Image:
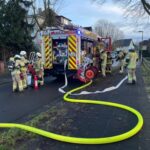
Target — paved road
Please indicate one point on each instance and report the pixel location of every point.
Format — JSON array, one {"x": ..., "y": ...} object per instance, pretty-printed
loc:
[
  {"x": 15, "y": 106},
  {"x": 103, "y": 121}
]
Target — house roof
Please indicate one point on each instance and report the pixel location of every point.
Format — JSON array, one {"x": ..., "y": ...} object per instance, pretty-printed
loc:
[
  {"x": 48, "y": 10},
  {"x": 145, "y": 42},
  {"x": 57, "y": 20},
  {"x": 63, "y": 17},
  {"x": 122, "y": 42},
  {"x": 42, "y": 13}
]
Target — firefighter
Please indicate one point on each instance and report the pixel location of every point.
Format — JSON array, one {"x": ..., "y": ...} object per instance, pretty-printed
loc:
[
  {"x": 121, "y": 59},
  {"x": 133, "y": 58},
  {"x": 95, "y": 57},
  {"x": 17, "y": 82},
  {"x": 23, "y": 69},
  {"x": 39, "y": 68},
  {"x": 11, "y": 68},
  {"x": 11, "y": 63},
  {"x": 109, "y": 62},
  {"x": 103, "y": 58}
]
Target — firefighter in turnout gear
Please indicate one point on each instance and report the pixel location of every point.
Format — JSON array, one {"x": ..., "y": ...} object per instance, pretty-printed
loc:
[
  {"x": 11, "y": 64},
  {"x": 109, "y": 62},
  {"x": 39, "y": 68},
  {"x": 17, "y": 82},
  {"x": 23, "y": 69},
  {"x": 121, "y": 59},
  {"x": 133, "y": 58},
  {"x": 11, "y": 68},
  {"x": 103, "y": 58}
]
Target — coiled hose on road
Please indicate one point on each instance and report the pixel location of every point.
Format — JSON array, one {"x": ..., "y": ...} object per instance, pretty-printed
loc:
[{"x": 77, "y": 140}]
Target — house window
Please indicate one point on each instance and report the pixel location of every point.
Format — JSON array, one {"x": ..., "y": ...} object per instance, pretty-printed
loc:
[{"x": 65, "y": 21}]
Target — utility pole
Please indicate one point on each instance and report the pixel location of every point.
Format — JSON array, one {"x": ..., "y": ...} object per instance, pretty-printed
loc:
[{"x": 141, "y": 46}]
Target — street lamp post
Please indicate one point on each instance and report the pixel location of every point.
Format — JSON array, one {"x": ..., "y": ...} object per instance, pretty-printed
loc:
[{"x": 141, "y": 46}]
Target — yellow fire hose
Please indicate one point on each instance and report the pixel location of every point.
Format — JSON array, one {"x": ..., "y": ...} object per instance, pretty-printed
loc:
[{"x": 77, "y": 140}]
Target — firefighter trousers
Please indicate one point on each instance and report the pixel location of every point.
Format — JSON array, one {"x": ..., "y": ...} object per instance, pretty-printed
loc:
[
  {"x": 17, "y": 82},
  {"x": 103, "y": 68},
  {"x": 24, "y": 77},
  {"x": 40, "y": 75},
  {"x": 122, "y": 64},
  {"x": 131, "y": 75},
  {"x": 109, "y": 68}
]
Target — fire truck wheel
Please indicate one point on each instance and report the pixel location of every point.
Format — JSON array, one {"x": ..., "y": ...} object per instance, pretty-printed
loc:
[
  {"x": 95, "y": 70},
  {"x": 90, "y": 74}
]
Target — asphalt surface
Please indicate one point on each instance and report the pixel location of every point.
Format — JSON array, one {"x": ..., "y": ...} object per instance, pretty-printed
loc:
[
  {"x": 15, "y": 106},
  {"x": 5, "y": 78},
  {"x": 98, "y": 120}
]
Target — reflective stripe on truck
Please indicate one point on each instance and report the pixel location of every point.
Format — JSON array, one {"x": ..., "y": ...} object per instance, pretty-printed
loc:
[
  {"x": 48, "y": 52},
  {"x": 72, "y": 52}
]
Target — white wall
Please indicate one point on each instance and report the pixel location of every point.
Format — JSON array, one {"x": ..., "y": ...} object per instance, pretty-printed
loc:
[
  {"x": 131, "y": 46},
  {"x": 123, "y": 48}
]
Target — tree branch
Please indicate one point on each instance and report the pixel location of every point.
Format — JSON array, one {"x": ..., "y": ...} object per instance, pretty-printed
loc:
[{"x": 146, "y": 6}]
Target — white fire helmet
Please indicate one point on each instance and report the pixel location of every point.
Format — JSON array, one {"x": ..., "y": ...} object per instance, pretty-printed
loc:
[
  {"x": 17, "y": 57},
  {"x": 39, "y": 54},
  {"x": 23, "y": 53}
]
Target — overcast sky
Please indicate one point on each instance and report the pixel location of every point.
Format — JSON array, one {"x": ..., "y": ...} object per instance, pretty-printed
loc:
[{"x": 85, "y": 13}]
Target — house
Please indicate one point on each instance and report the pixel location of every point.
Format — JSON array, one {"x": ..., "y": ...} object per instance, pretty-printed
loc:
[
  {"x": 53, "y": 21},
  {"x": 123, "y": 44},
  {"x": 145, "y": 47},
  {"x": 48, "y": 18},
  {"x": 61, "y": 21}
]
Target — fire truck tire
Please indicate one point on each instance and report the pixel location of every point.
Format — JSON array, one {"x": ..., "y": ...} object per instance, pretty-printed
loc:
[
  {"x": 95, "y": 70},
  {"x": 90, "y": 74}
]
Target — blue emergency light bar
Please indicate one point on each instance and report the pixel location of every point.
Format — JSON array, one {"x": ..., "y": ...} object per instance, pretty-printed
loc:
[{"x": 79, "y": 32}]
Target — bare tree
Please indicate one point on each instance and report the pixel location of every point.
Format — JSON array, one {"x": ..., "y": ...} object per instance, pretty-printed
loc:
[
  {"x": 105, "y": 29},
  {"x": 135, "y": 8},
  {"x": 49, "y": 8}
]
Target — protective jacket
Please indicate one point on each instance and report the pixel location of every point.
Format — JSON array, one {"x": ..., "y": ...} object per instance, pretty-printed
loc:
[
  {"x": 133, "y": 57},
  {"x": 39, "y": 66},
  {"x": 104, "y": 59}
]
